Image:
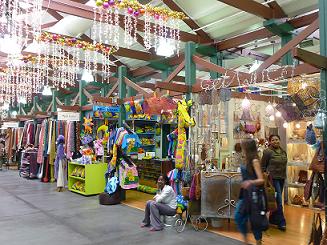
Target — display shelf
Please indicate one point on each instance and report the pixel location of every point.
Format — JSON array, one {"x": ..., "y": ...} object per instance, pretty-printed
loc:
[
  {"x": 298, "y": 164},
  {"x": 94, "y": 177},
  {"x": 79, "y": 192},
  {"x": 78, "y": 178},
  {"x": 297, "y": 142},
  {"x": 150, "y": 133},
  {"x": 141, "y": 120},
  {"x": 148, "y": 145},
  {"x": 295, "y": 185}
]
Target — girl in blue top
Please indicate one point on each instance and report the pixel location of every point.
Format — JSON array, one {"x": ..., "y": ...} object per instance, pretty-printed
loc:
[{"x": 251, "y": 175}]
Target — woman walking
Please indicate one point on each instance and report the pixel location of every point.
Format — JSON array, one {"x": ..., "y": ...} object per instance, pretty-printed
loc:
[{"x": 251, "y": 177}]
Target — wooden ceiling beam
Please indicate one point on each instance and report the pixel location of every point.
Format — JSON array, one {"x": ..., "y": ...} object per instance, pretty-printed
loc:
[
  {"x": 291, "y": 44},
  {"x": 54, "y": 14},
  {"x": 133, "y": 85},
  {"x": 262, "y": 33},
  {"x": 190, "y": 22},
  {"x": 311, "y": 58},
  {"x": 175, "y": 72},
  {"x": 49, "y": 24},
  {"x": 277, "y": 9},
  {"x": 113, "y": 89},
  {"x": 253, "y": 7}
]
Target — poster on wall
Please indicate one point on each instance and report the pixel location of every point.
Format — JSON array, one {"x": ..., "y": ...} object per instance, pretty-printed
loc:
[{"x": 69, "y": 116}]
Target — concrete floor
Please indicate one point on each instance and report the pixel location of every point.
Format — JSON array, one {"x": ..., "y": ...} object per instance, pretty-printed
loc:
[{"x": 32, "y": 212}]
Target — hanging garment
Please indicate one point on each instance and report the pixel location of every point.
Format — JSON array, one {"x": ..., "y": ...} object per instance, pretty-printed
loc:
[
  {"x": 60, "y": 153},
  {"x": 49, "y": 137},
  {"x": 41, "y": 144}
]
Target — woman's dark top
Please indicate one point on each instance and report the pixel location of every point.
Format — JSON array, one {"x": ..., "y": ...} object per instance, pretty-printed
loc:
[{"x": 274, "y": 161}]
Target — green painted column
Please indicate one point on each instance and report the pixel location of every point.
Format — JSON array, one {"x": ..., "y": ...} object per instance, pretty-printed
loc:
[
  {"x": 54, "y": 102},
  {"x": 217, "y": 59},
  {"x": 35, "y": 101},
  {"x": 67, "y": 99},
  {"x": 130, "y": 91},
  {"x": 190, "y": 68},
  {"x": 105, "y": 90},
  {"x": 122, "y": 73},
  {"x": 287, "y": 59},
  {"x": 166, "y": 73},
  {"x": 82, "y": 96},
  {"x": 323, "y": 76}
]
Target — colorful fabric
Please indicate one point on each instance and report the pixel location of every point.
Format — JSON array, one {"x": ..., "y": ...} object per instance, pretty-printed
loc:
[
  {"x": 130, "y": 141},
  {"x": 41, "y": 144}
]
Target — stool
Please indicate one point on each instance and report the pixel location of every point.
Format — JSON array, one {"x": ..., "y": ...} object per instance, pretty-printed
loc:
[{"x": 168, "y": 220}]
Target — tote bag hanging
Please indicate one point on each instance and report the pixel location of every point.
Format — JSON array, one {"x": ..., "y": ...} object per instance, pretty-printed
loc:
[{"x": 128, "y": 176}]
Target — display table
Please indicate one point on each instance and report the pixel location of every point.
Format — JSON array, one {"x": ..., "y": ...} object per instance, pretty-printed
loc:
[
  {"x": 219, "y": 193},
  {"x": 94, "y": 180}
]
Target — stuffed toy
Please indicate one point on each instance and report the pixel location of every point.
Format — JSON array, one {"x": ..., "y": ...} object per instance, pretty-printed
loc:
[{"x": 88, "y": 125}]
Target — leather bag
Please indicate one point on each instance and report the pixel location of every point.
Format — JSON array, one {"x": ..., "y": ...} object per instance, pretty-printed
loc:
[
  {"x": 308, "y": 187},
  {"x": 316, "y": 231},
  {"x": 318, "y": 161},
  {"x": 270, "y": 193}
]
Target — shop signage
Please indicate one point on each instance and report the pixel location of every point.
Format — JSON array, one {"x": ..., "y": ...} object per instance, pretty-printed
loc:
[
  {"x": 69, "y": 116},
  {"x": 112, "y": 109},
  {"x": 10, "y": 124}
]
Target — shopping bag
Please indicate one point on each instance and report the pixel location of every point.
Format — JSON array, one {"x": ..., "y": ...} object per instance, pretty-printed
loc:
[{"x": 128, "y": 176}]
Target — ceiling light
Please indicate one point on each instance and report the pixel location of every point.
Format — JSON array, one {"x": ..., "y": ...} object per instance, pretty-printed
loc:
[
  {"x": 5, "y": 106},
  {"x": 285, "y": 124},
  {"x": 270, "y": 109},
  {"x": 14, "y": 113},
  {"x": 165, "y": 47},
  {"x": 304, "y": 85},
  {"x": 297, "y": 125},
  {"x": 245, "y": 103},
  {"x": 294, "y": 104},
  {"x": 87, "y": 76},
  {"x": 22, "y": 100},
  {"x": 47, "y": 91},
  {"x": 272, "y": 118},
  {"x": 254, "y": 66},
  {"x": 278, "y": 114}
]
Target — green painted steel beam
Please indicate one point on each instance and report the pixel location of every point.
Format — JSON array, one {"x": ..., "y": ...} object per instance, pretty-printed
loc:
[
  {"x": 217, "y": 59},
  {"x": 278, "y": 28},
  {"x": 287, "y": 59},
  {"x": 122, "y": 73},
  {"x": 159, "y": 65},
  {"x": 206, "y": 50},
  {"x": 190, "y": 67},
  {"x": 166, "y": 73}
]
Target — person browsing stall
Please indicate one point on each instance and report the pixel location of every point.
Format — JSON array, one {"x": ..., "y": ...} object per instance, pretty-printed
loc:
[
  {"x": 163, "y": 203},
  {"x": 274, "y": 162}
]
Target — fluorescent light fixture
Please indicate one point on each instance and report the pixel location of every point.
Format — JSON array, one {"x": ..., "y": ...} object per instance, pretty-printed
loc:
[
  {"x": 87, "y": 76},
  {"x": 47, "y": 91},
  {"x": 254, "y": 66},
  {"x": 165, "y": 47}
]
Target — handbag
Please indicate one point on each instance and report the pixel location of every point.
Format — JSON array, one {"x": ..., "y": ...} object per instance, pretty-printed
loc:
[
  {"x": 308, "y": 187},
  {"x": 270, "y": 193},
  {"x": 297, "y": 200},
  {"x": 324, "y": 238},
  {"x": 318, "y": 161},
  {"x": 250, "y": 128},
  {"x": 303, "y": 176},
  {"x": 258, "y": 209},
  {"x": 316, "y": 231}
]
